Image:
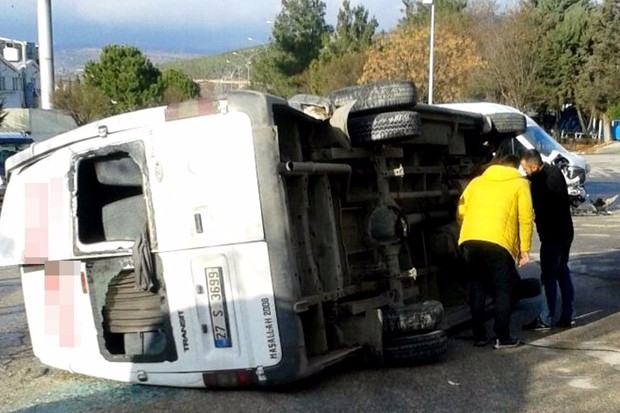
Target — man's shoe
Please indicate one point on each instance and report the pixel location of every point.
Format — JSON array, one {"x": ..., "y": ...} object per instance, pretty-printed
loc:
[
  {"x": 537, "y": 325},
  {"x": 506, "y": 343},
  {"x": 563, "y": 323}
]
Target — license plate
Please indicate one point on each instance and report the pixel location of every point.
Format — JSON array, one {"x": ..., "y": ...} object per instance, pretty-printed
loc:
[{"x": 217, "y": 307}]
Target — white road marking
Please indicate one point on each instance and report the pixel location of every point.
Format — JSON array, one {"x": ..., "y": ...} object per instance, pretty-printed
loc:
[{"x": 595, "y": 235}]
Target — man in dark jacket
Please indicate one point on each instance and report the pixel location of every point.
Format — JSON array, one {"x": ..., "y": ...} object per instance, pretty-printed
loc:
[{"x": 554, "y": 225}]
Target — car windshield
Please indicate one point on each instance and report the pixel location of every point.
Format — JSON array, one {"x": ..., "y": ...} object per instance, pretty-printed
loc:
[{"x": 541, "y": 140}]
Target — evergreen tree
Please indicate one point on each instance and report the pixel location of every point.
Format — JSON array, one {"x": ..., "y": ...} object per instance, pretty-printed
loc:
[
  {"x": 126, "y": 77},
  {"x": 299, "y": 30},
  {"x": 600, "y": 76},
  {"x": 298, "y": 35},
  {"x": 564, "y": 47},
  {"x": 416, "y": 13},
  {"x": 178, "y": 86},
  {"x": 354, "y": 31}
]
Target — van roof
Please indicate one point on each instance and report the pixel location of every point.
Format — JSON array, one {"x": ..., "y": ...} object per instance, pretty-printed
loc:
[
  {"x": 118, "y": 123},
  {"x": 486, "y": 108}
]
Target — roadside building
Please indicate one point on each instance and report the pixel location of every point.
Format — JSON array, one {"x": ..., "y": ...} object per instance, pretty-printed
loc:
[{"x": 20, "y": 84}]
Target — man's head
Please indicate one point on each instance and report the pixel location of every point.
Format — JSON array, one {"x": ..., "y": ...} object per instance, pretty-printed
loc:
[
  {"x": 509, "y": 160},
  {"x": 531, "y": 161}
]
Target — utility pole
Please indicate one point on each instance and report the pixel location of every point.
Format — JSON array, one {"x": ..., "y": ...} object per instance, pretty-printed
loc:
[
  {"x": 431, "y": 53},
  {"x": 46, "y": 55}
]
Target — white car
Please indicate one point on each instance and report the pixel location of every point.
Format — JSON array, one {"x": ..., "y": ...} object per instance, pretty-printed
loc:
[{"x": 574, "y": 167}]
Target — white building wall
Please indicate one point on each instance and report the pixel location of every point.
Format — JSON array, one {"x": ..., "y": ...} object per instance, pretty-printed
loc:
[
  {"x": 11, "y": 85},
  {"x": 20, "y": 79}
]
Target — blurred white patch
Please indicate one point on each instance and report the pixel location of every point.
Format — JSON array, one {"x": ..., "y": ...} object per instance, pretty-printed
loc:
[{"x": 582, "y": 383}]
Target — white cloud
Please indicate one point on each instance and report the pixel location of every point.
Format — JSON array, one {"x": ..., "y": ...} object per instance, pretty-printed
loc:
[
  {"x": 215, "y": 23},
  {"x": 170, "y": 13},
  {"x": 214, "y": 13}
]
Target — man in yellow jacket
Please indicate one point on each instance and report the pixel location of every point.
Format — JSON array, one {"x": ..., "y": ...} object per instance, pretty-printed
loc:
[{"x": 496, "y": 217}]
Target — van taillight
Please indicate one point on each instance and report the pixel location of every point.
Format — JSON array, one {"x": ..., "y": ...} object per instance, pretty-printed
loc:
[{"x": 230, "y": 378}]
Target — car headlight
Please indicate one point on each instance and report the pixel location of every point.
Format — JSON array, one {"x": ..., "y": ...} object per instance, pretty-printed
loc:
[{"x": 573, "y": 172}]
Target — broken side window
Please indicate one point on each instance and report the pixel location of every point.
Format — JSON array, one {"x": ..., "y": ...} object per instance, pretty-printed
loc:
[{"x": 110, "y": 202}]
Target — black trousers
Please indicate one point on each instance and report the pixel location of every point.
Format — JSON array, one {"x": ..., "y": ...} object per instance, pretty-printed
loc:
[{"x": 492, "y": 272}]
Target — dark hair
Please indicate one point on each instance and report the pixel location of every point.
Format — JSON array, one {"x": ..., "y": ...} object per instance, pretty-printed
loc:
[
  {"x": 532, "y": 156},
  {"x": 509, "y": 160}
]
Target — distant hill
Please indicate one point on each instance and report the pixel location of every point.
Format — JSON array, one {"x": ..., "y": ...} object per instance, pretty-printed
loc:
[
  {"x": 70, "y": 62},
  {"x": 227, "y": 65}
]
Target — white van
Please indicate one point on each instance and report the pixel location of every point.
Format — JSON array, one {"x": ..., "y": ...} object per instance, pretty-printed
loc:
[
  {"x": 239, "y": 241},
  {"x": 574, "y": 167}
]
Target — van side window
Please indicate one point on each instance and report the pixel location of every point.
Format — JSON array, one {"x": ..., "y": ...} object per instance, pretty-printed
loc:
[{"x": 110, "y": 203}]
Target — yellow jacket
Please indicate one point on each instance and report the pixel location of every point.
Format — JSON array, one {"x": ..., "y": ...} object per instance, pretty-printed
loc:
[{"x": 497, "y": 207}]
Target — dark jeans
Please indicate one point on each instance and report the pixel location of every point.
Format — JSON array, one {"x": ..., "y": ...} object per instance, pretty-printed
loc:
[
  {"x": 554, "y": 273},
  {"x": 492, "y": 271}
]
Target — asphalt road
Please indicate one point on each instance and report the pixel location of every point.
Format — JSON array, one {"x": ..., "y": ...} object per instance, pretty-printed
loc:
[{"x": 572, "y": 370}]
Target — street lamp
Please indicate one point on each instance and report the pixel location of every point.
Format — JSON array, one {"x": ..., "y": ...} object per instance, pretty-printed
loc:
[{"x": 431, "y": 43}]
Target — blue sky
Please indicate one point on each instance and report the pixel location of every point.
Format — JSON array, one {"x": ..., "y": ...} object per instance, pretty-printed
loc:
[{"x": 179, "y": 26}]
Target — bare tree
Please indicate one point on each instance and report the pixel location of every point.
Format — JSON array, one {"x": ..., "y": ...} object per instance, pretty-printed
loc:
[{"x": 509, "y": 46}]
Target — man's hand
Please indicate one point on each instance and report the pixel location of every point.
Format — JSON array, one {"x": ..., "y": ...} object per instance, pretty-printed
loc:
[{"x": 524, "y": 258}]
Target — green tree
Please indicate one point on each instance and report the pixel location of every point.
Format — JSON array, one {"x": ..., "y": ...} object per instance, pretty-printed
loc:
[
  {"x": 341, "y": 61},
  {"x": 344, "y": 70},
  {"x": 126, "y": 77},
  {"x": 84, "y": 103},
  {"x": 600, "y": 75},
  {"x": 178, "y": 86},
  {"x": 354, "y": 31},
  {"x": 300, "y": 30},
  {"x": 267, "y": 74},
  {"x": 299, "y": 33},
  {"x": 416, "y": 13},
  {"x": 564, "y": 48}
]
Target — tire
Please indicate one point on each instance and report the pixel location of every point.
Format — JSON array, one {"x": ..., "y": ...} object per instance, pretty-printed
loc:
[
  {"x": 416, "y": 349},
  {"x": 412, "y": 318},
  {"x": 373, "y": 96},
  {"x": 385, "y": 127},
  {"x": 508, "y": 122}
]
